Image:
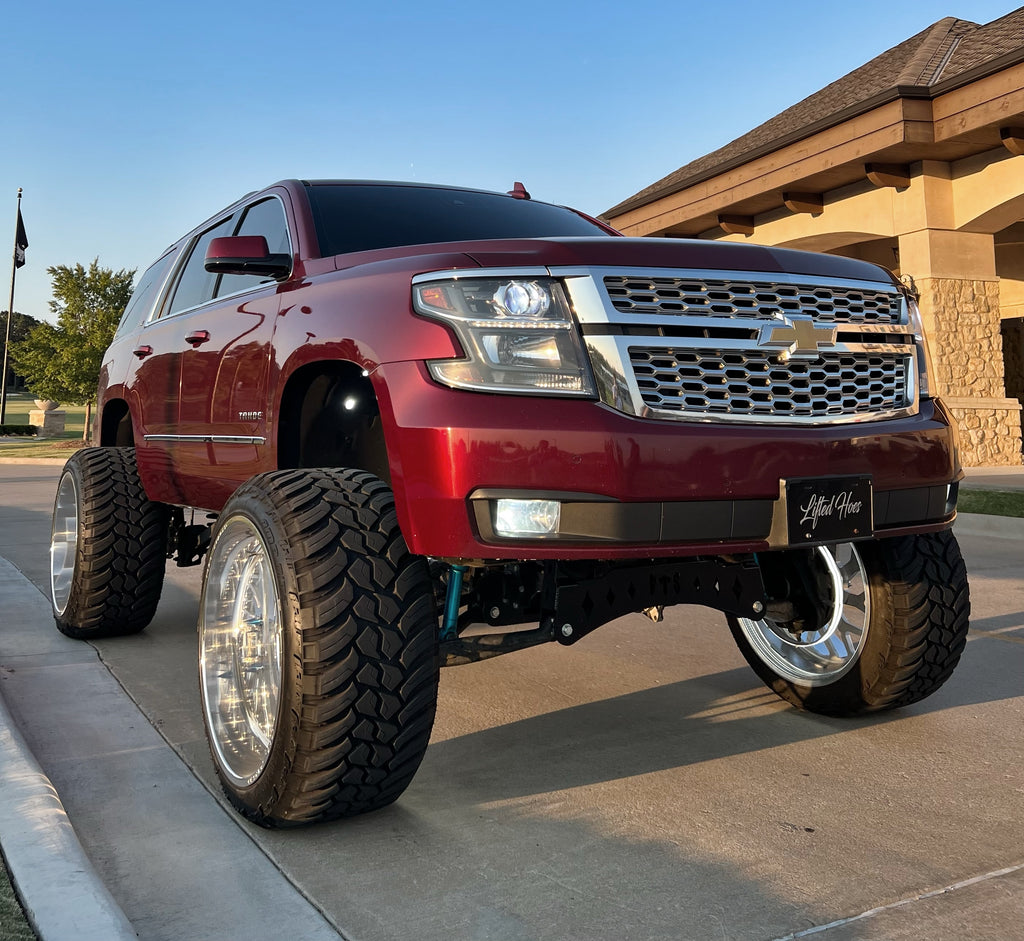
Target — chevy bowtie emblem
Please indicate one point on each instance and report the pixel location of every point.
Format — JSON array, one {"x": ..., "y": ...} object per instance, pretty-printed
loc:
[{"x": 796, "y": 337}]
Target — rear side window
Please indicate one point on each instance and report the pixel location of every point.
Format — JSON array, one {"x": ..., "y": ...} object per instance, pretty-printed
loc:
[
  {"x": 196, "y": 285},
  {"x": 358, "y": 217},
  {"x": 145, "y": 295}
]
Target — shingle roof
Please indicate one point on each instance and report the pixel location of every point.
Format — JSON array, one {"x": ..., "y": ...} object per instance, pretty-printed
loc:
[
  {"x": 937, "y": 54},
  {"x": 995, "y": 39}
]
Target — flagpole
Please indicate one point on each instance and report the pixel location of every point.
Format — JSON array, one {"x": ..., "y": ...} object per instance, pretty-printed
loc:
[{"x": 10, "y": 316}]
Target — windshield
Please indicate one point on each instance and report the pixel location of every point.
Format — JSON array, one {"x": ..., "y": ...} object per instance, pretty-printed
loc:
[{"x": 361, "y": 216}]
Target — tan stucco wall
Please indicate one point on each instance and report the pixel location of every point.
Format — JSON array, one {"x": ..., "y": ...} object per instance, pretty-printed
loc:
[{"x": 1010, "y": 267}]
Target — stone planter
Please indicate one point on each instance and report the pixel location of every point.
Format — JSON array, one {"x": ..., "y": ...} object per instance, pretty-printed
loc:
[{"x": 46, "y": 405}]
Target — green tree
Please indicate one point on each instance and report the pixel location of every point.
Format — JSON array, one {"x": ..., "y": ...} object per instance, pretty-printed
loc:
[
  {"x": 21, "y": 326},
  {"x": 63, "y": 361}
]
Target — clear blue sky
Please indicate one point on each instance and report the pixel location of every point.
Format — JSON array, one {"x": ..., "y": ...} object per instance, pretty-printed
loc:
[{"x": 128, "y": 123}]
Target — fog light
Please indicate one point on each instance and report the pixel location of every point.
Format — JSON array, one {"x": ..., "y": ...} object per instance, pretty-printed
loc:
[{"x": 526, "y": 517}]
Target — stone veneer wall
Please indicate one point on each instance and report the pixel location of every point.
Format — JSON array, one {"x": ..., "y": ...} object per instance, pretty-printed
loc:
[{"x": 962, "y": 318}]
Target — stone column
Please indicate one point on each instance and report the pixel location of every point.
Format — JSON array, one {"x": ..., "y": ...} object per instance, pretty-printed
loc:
[{"x": 956, "y": 275}]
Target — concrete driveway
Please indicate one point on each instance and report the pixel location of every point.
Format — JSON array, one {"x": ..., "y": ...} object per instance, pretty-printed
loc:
[{"x": 642, "y": 784}]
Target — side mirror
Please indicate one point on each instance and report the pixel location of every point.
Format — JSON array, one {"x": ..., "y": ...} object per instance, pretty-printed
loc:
[{"x": 246, "y": 254}]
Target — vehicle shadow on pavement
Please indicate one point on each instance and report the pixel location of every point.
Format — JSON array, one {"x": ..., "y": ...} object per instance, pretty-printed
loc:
[
  {"x": 438, "y": 871},
  {"x": 698, "y": 720},
  {"x": 694, "y": 809},
  {"x": 999, "y": 622}
]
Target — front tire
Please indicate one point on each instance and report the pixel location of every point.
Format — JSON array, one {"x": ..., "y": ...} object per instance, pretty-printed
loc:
[
  {"x": 318, "y": 648},
  {"x": 899, "y": 619},
  {"x": 107, "y": 547}
]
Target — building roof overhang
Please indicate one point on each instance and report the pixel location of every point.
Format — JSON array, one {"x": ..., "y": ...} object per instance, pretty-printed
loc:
[{"x": 967, "y": 114}]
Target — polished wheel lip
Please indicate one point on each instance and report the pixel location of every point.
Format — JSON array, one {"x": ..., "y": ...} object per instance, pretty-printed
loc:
[
  {"x": 819, "y": 658},
  {"x": 240, "y": 651},
  {"x": 63, "y": 542}
]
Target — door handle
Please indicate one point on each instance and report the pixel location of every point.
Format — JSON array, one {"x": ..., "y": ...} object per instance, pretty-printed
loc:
[
  {"x": 197, "y": 336},
  {"x": 142, "y": 351}
]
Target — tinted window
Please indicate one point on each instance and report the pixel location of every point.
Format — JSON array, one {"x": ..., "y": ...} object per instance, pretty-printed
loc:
[
  {"x": 196, "y": 285},
  {"x": 357, "y": 217},
  {"x": 264, "y": 218},
  {"x": 145, "y": 295}
]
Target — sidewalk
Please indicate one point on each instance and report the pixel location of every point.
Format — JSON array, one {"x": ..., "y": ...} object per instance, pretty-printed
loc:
[
  {"x": 994, "y": 478},
  {"x": 148, "y": 802},
  {"x": 60, "y": 892}
]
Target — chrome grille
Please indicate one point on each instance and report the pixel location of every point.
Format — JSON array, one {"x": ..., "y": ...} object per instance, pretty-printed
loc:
[
  {"x": 709, "y": 297},
  {"x": 758, "y": 385},
  {"x": 684, "y": 344}
]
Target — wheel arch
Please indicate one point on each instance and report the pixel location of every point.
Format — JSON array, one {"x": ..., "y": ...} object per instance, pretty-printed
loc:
[
  {"x": 116, "y": 428},
  {"x": 329, "y": 416}
]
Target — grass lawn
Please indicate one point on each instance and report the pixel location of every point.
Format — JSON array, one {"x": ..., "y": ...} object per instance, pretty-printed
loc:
[
  {"x": 18, "y": 406},
  {"x": 14, "y": 925},
  {"x": 991, "y": 502}
]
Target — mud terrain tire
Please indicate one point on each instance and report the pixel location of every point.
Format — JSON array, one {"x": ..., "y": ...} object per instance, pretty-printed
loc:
[
  {"x": 318, "y": 648},
  {"x": 902, "y": 630},
  {"x": 107, "y": 547}
]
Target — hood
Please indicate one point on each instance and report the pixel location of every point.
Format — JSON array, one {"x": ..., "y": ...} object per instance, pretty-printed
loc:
[
  {"x": 671, "y": 253},
  {"x": 612, "y": 252}
]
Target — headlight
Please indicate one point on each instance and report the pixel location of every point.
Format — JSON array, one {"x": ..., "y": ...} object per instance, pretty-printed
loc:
[
  {"x": 518, "y": 334},
  {"x": 924, "y": 356}
]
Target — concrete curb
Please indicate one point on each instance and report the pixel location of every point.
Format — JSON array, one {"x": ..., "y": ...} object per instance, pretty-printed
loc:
[
  {"x": 980, "y": 524},
  {"x": 63, "y": 897}
]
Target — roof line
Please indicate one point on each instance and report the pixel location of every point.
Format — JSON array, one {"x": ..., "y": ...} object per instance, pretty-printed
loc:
[
  {"x": 875, "y": 101},
  {"x": 930, "y": 48},
  {"x": 941, "y": 67}
]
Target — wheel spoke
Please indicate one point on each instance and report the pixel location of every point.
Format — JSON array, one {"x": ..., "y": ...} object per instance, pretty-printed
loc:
[
  {"x": 836, "y": 648},
  {"x": 856, "y": 601}
]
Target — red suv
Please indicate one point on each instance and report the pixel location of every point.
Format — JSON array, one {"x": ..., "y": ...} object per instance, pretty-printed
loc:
[{"x": 435, "y": 425}]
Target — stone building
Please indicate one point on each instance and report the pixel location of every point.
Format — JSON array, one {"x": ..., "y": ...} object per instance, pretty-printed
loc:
[{"x": 914, "y": 161}]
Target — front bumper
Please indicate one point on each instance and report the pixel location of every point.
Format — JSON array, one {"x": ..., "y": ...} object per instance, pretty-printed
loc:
[{"x": 636, "y": 488}]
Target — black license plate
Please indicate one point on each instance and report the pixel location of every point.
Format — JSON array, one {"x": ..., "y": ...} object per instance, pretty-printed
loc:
[{"x": 828, "y": 509}]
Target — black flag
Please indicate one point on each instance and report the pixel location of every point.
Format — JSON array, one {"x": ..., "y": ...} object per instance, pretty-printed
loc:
[{"x": 20, "y": 242}]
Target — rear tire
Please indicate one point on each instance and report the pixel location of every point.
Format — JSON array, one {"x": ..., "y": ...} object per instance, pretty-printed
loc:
[
  {"x": 318, "y": 648},
  {"x": 899, "y": 626},
  {"x": 108, "y": 546}
]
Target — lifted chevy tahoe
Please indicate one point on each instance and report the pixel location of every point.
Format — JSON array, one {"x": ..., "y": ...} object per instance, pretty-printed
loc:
[{"x": 411, "y": 426}]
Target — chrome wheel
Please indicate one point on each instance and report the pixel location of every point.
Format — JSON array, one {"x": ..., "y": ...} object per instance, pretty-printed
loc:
[
  {"x": 63, "y": 542},
  {"x": 240, "y": 651},
  {"x": 817, "y": 658}
]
